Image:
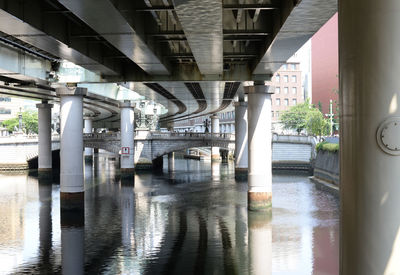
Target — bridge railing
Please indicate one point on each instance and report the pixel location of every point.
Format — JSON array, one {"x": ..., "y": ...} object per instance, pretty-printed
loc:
[
  {"x": 102, "y": 136},
  {"x": 161, "y": 135},
  {"x": 193, "y": 134}
]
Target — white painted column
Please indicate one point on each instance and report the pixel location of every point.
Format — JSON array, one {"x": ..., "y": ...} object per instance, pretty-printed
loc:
[
  {"x": 215, "y": 130},
  {"x": 241, "y": 147},
  {"x": 127, "y": 136},
  {"x": 71, "y": 146},
  {"x": 171, "y": 162},
  {"x": 44, "y": 127},
  {"x": 260, "y": 149},
  {"x": 369, "y": 63},
  {"x": 88, "y": 129}
]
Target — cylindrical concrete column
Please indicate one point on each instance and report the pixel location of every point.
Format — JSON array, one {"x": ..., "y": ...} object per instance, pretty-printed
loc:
[
  {"x": 215, "y": 130},
  {"x": 127, "y": 136},
  {"x": 71, "y": 146},
  {"x": 369, "y": 41},
  {"x": 171, "y": 162},
  {"x": 241, "y": 147},
  {"x": 88, "y": 127},
  {"x": 44, "y": 127},
  {"x": 260, "y": 150}
]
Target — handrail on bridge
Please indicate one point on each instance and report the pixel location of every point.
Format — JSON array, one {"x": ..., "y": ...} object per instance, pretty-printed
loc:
[{"x": 117, "y": 135}]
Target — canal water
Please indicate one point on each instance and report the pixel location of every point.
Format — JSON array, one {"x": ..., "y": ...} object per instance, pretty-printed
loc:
[{"x": 191, "y": 221}]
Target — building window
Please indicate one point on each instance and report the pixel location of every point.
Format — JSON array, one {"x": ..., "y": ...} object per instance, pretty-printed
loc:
[
  {"x": 294, "y": 78},
  {"x": 286, "y": 78},
  {"x": 286, "y": 90},
  {"x": 278, "y": 78},
  {"x": 286, "y": 102},
  {"x": 293, "y": 67},
  {"x": 277, "y": 114},
  {"x": 294, "y": 101},
  {"x": 277, "y": 90},
  {"x": 272, "y": 113},
  {"x": 4, "y": 111},
  {"x": 284, "y": 67},
  {"x": 294, "y": 90},
  {"x": 278, "y": 102}
]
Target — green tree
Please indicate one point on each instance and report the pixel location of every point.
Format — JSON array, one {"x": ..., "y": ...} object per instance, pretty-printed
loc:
[
  {"x": 316, "y": 123},
  {"x": 296, "y": 117},
  {"x": 305, "y": 116},
  {"x": 29, "y": 122}
]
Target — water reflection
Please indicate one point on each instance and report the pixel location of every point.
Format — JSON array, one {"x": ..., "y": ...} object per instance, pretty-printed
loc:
[
  {"x": 195, "y": 224},
  {"x": 260, "y": 242},
  {"x": 45, "y": 223}
]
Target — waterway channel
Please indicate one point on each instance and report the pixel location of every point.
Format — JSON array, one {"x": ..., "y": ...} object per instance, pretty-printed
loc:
[{"x": 191, "y": 221}]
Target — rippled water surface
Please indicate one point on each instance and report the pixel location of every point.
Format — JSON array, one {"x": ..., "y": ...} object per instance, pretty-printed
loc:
[{"x": 191, "y": 221}]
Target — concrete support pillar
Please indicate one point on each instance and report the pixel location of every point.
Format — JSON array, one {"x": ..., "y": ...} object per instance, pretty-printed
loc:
[
  {"x": 88, "y": 127},
  {"x": 369, "y": 41},
  {"x": 44, "y": 127},
  {"x": 71, "y": 144},
  {"x": 171, "y": 162},
  {"x": 241, "y": 147},
  {"x": 260, "y": 150},
  {"x": 127, "y": 137},
  {"x": 215, "y": 130}
]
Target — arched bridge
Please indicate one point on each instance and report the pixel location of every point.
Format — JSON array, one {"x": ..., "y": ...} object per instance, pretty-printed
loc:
[{"x": 151, "y": 145}]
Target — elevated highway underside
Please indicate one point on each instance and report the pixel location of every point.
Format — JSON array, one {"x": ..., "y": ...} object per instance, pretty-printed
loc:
[{"x": 190, "y": 56}]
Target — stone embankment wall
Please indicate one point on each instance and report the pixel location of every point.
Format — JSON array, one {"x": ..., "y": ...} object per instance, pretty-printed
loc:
[
  {"x": 326, "y": 167},
  {"x": 293, "y": 152}
]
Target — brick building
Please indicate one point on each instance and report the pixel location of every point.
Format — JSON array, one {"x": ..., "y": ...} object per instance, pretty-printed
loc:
[{"x": 287, "y": 85}]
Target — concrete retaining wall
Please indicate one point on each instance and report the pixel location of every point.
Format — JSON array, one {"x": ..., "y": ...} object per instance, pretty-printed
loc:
[{"x": 327, "y": 167}]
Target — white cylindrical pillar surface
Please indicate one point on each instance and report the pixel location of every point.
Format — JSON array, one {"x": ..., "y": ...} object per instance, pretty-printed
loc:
[
  {"x": 260, "y": 149},
  {"x": 241, "y": 147},
  {"x": 171, "y": 162},
  {"x": 88, "y": 126},
  {"x": 369, "y": 62},
  {"x": 215, "y": 130},
  {"x": 127, "y": 136},
  {"x": 71, "y": 143},
  {"x": 44, "y": 127}
]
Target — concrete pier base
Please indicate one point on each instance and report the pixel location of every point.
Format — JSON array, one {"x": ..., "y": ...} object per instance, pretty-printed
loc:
[
  {"x": 72, "y": 201},
  {"x": 259, "y": 201}
]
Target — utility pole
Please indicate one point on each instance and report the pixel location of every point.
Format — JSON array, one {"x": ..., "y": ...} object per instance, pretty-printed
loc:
[{"x": 330, "y": 115}]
